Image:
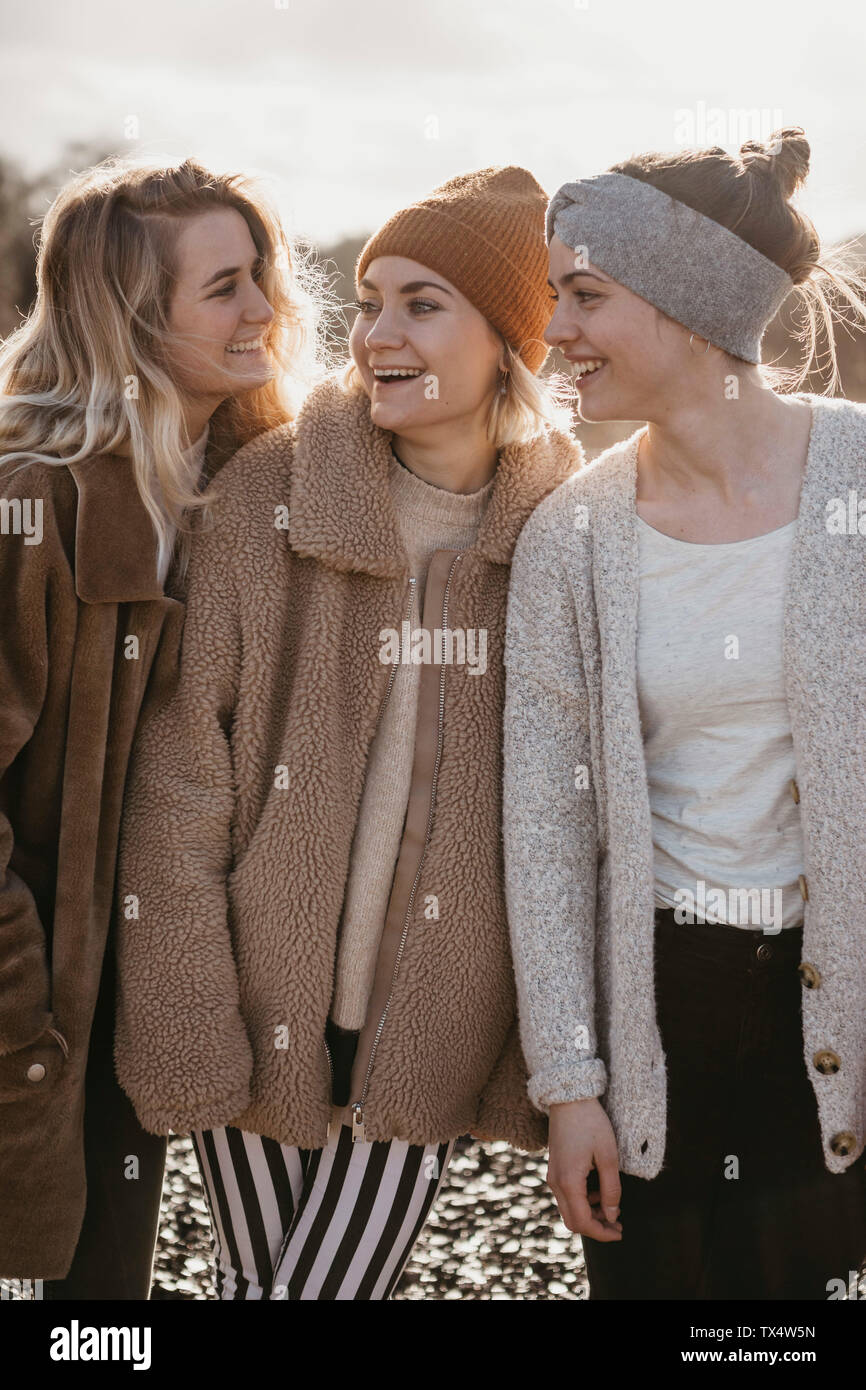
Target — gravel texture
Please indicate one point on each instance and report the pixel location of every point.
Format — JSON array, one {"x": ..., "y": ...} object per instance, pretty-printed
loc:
[{"x": 494, "y": 1233}]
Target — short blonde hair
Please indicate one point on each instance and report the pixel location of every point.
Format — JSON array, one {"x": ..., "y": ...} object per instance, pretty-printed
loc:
[{"x": 530, "y": 405}]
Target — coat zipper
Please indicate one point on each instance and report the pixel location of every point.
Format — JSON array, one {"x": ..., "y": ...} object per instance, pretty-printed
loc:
[
  {"x": 385, "y": 699},
  {"x": 358, "y": 1131}
]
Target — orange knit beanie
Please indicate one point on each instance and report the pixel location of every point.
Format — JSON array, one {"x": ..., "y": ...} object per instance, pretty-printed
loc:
[{"x": 484, "y": 231}]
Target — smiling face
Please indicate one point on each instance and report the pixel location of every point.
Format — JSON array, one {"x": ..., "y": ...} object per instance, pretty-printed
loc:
[
  {"x": 218, "y": 315},
  {"x": 426, "y": 356},
  {"x": 634, "y": 354}
]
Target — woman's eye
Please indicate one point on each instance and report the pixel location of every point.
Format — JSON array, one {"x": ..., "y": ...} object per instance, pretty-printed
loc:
[
  {"x": 225, "y": 292},
  {"x": 422, "y": 304},
  {"x": 363, "y": 305},
  {"x": 584, "y": 295}
]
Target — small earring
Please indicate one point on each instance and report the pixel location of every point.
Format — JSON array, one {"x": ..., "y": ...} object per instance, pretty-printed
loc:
[{"x": 706, "y": 349}]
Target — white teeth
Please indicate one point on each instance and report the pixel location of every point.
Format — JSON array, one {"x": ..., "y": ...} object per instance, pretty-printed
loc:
[
  {"x": 380, "y": 372},
  {"x": 581, "y": 368},
  {"x": 245, "y": 347}
]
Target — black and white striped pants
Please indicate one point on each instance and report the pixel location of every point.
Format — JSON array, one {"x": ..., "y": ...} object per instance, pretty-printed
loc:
[{"x": 332, "y": 1223}]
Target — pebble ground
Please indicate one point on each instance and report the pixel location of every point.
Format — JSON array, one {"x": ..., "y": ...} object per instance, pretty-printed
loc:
[{"x": 494, "y": 1233}]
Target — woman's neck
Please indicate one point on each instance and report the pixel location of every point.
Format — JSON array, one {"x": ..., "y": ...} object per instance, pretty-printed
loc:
[
  {"x": 727, "y": 475},
  {"x": 725, "y": 450},
  {"x": 196, "y": 415},
  {"x": 450, "y": 461}
]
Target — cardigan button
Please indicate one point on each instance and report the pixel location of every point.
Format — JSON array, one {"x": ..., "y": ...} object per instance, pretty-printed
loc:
[
  {"x": 843, "y": 1143},
  {"x": 794, "y": 790},
  {"x": 827, "y": 1062},
  {"x": 809, "y": 975},
  {"x": 804, "y": 888},
  {"x": 35, "y": 1072}
]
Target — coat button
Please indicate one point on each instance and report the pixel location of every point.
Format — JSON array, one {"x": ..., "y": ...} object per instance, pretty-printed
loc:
[
  {"x": 809, "y": 975},
  {"x": 764, "y": 952},
  {"x": 826, "y": 1062},
  {"x": 843, "y": 1143},
  {"x": 35, "y": 1072},
  {"x": 804, "y": 888},
  {"x": 794, "y": 790}
]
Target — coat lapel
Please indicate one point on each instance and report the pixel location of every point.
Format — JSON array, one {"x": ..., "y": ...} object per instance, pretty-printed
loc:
[
  {"x": 825, "y": 615},
  {"x": 616, "y": 568},
  {"x": 115, "y": 542}
]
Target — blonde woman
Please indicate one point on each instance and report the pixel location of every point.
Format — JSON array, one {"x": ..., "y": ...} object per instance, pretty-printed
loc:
[
  {"x": 685, "y": 799},
  {"x": 317, "y": 981},
  {"x": 163, "y": 336}
]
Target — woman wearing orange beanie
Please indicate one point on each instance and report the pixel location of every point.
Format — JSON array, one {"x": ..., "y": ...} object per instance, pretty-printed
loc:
[{"x": 315, "y": 970}]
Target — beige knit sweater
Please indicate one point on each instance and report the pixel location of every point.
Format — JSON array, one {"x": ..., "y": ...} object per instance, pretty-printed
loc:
[
  {"x": 430, "y": 518},
  {"x": 579, "y": 871}
]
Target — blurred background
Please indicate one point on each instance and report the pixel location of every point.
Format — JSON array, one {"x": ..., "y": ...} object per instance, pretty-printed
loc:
[{"x": 348, "y": 112}]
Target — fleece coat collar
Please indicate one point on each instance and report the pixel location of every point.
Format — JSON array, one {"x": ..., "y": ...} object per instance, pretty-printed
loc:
[{"x": 346, "y": 518}]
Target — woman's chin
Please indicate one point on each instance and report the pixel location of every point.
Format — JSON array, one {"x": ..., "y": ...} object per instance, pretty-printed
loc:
[
  {"x": 390, "y": 416},
  {"x": 251, "y": 378},
  {"x": 596, "y": 407}
]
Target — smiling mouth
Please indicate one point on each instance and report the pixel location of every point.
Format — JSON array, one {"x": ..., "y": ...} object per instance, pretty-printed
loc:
[
  {"x": 251, "y": 345},
  {"x": 389, "y": 376},
  {"x": 590, "y": 367}
]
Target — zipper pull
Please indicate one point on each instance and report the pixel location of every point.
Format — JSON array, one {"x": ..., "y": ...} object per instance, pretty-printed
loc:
[{"x": 357, "y": 1124}]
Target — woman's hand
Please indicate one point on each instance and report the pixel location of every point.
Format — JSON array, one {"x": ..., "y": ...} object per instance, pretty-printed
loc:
[{"x": 582, "y": 1138}]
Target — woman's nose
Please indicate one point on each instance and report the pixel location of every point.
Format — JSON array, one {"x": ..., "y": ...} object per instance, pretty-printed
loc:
[
  {"x": 260, "y": 310},
  {"x": 384, "y": 333},
  {"x": 556, "y": 333}
]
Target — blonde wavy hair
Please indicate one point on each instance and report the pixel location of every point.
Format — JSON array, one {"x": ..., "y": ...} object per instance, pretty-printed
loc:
[
  {"x": 105, "y": 275},
  {"x": 530, "y": 405}
]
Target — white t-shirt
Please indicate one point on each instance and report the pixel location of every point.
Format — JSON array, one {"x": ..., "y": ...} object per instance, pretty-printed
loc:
[{"x": 717, "y": 735}]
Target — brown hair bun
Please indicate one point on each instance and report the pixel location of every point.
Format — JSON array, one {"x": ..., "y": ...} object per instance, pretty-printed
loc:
[{"x": 782, "y": 157}]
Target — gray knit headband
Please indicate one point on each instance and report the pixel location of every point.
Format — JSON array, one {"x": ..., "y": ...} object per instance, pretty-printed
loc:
[{"x": 693, "y": 269}]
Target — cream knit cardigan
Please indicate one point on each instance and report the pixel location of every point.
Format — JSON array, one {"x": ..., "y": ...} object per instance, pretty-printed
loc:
[{"x": 578, "y": 846}]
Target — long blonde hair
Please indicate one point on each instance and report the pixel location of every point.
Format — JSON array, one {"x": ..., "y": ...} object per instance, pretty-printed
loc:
[{"x": 88, "y": 371}]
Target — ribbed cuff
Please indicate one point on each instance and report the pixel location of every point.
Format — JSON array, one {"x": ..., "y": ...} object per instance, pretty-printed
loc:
[{"x": 575, "y": 1081}]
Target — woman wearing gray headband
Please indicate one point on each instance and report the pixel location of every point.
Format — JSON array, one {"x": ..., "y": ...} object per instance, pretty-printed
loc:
[{"x": 685, "y": 791}]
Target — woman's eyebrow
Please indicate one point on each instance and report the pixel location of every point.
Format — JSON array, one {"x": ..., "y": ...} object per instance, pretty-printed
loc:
[
  {"x": 411, "y": 288},
  {"x": 575, "y": 274},
  {"x": 231, "y": 270}
]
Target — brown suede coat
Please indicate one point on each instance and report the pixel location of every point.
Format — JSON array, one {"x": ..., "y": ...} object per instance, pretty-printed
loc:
[
  {"x": 72, "y": 686},
  {"x": 245, "y": 790}
]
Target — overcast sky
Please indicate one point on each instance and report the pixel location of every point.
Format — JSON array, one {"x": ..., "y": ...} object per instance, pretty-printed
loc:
[{"x": 357, "y": 108}]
